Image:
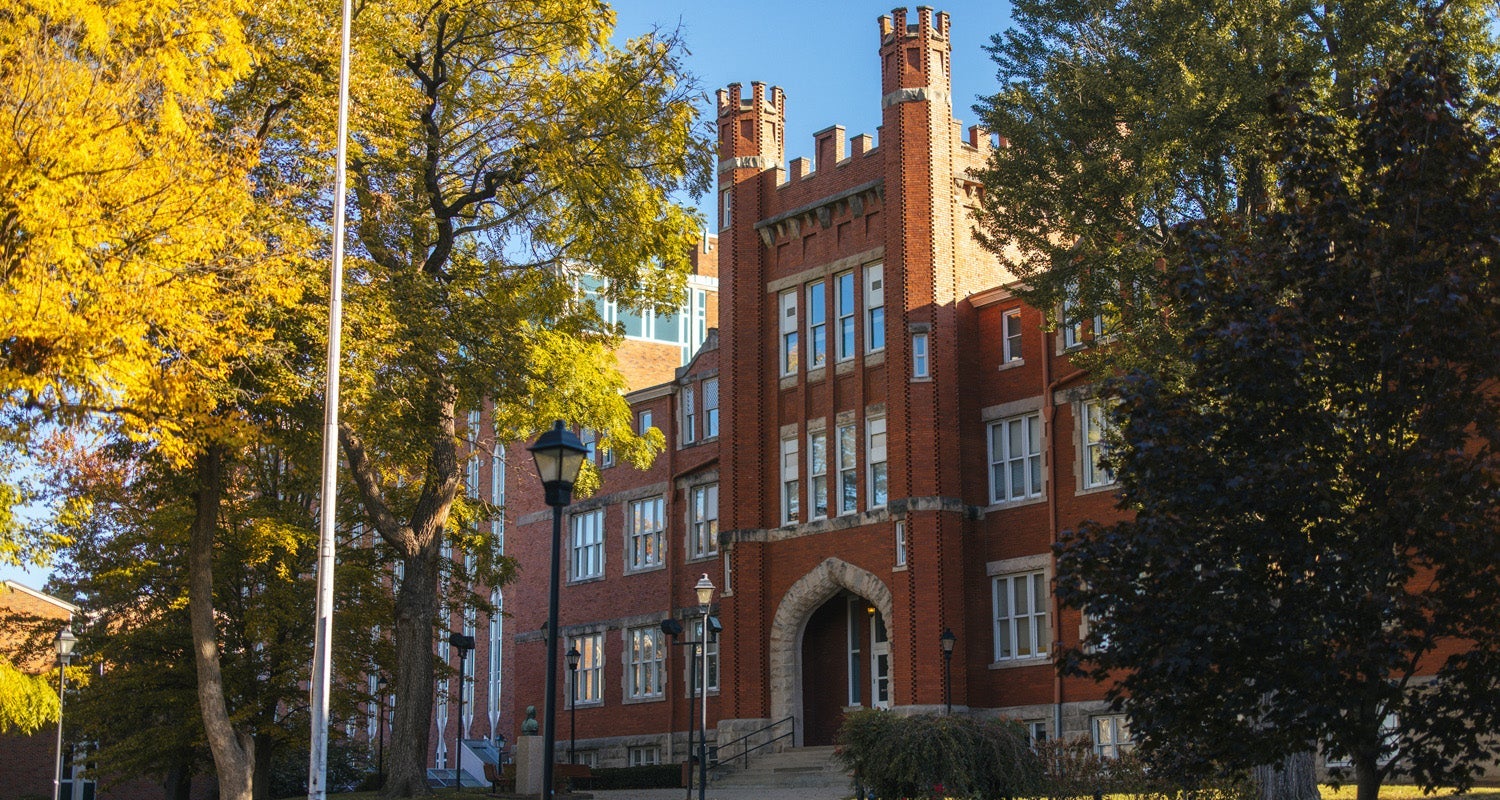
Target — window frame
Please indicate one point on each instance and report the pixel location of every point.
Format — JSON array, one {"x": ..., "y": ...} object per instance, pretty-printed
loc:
[
  {"x": 817, "y": 473},
  {"x": 848, "y": 469},
  {"x": 844, "y": 313},
  {"x": 689, "y": 414},
  {"x": 921, "y": 355},
  {"x": 790, "y": 330},
  {"x": 791, "y": 484},
  {"x": 1034, "y": 623},
  {"x": 592, "y": 549},
  {"x": 645, "y": 548},
  {"x": 877, "y": 457},
  {"x": 1012, "y": 342},
  {"x": 1093, "y": 442},
  {"x": 1120, "y": 740},
  {"x": 642, "y": 666},
  {"x": 710, "y": 408},
  {"x": 817, "y": 324},
  {"x": 1001, "y": 464},
  {"x": 590, "y": 669},
  {"x": 703, "y": 510},
  {"x": 711, "y": 652},
  {"x": 874, "y": 296}
]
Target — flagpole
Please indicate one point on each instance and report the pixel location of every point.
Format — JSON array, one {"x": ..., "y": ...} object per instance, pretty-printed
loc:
[{"x": 317, "y": 768}]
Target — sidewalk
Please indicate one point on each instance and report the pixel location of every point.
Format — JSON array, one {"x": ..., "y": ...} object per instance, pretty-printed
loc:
[{"x": 733, "y": 793}]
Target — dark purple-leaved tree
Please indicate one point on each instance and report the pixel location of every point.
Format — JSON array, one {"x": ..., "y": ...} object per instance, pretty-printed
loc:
[{"x": 1313, "y": 555}]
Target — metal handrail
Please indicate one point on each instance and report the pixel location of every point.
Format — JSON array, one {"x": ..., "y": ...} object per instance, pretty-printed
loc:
[{"x": 748, "y": 750}]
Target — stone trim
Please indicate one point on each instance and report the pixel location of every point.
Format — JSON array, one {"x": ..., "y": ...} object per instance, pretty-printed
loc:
[
  {"x": 915, "y": 94},
  {"x": 747, "y": 162}
]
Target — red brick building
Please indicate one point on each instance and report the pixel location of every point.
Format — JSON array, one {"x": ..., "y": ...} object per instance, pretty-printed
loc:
[
  {"x": 29, "y": 620},
  {"x": 879, "y": 445}
]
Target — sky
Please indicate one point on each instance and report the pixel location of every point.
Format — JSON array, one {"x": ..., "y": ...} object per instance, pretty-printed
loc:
[{"x": 824, "y": 54}]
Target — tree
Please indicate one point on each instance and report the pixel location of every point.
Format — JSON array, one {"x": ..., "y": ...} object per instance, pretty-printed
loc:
[
  {"x": 1126, "y": 118},
  {"x": 1311, "y": 560},
  {"x": 500, "y": 149}
]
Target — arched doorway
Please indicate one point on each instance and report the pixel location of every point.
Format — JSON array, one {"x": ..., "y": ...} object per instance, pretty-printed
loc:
[
  {"x": 830, "y": 645},
  {"x": 846, "y": 663}
]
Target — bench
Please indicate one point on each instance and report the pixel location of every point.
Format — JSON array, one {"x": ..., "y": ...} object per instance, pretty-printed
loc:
[
  {"x": 566, "y": 777},
  {"x": 502, "y": 778}
]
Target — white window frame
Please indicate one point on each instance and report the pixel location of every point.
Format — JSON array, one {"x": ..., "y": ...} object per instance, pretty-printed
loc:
[
  {"x": 791, "y": 485},
  {"x": 921, "y": 355},
  {"x": 1111, "y": 735},
  {"x": 470, "y": 670},
  {"x": 1072, "y": 325},
  {"x": 726, "y": 208},
  {"x": 1011, "y": 336},
  {"x": 900, "y": 532},
  {"x": 645, "y": 542},
  {"x": 586, "y": 545},
  {"x": 817, "y": 324},
  {"x": 790, "y": 348},
  {"x": 644, "y": 756},
  {"x": 590, "y": 672},
  {"x": 876, "y": 453},
  {"x": 703, "y": 520},
  {"x": 689, "y": 414},
  {"x": 844, "y": 307},
  {"x": 645, "y": 662},
  {"x": 710, "y": 651},
  {"x": 874, "y": 309},
  {"x": 497, "y": 498},
  {"x": 644, "y": 421},
  {"x": 817, "y": 474},
  {"x": 1093, "y": 432},
  {"x": 848, "y": 464},
  {"x": 497, "y": 655},
  {"x": 1004, "y": 455},
  {"x": 710, "y": 408},
  {"x": 1012, "y": 626}
]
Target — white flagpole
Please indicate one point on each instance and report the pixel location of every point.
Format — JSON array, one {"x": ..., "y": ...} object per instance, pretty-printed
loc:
[{"x": 317, "y": 768}]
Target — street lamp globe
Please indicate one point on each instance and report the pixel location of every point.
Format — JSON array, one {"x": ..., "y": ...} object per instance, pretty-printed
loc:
[
  {"x": 65, "y": 642},
  {"x": 559, "y": 455},
  {"x": 705, "y": 590}
]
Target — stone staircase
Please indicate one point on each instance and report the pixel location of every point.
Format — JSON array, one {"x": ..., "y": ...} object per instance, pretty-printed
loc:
[{"x": 799, "y": 767}]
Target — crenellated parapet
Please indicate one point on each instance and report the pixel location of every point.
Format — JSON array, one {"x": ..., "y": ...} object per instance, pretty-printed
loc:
[
  {"x": 915, "y": 57},
  {"x": 752, "y": 129}
]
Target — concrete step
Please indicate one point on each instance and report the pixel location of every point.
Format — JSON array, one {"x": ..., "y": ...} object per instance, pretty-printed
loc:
[{"x": 800, "y": 767}]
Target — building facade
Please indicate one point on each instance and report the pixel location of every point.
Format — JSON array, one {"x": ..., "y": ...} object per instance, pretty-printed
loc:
[{"x": 879, "y": 445}]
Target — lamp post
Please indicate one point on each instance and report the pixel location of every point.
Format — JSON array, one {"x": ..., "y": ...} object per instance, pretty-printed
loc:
[
  {"x": 947, "y": 640},
  {"x": 464, "y": 644},
  {"x": 705, "y": 590},
  {"x": 559, "y": 455},
  {"x": 65, "y": 642},
  {"x": 380, "y": 730},
  {"x": 573, "y": 657}
]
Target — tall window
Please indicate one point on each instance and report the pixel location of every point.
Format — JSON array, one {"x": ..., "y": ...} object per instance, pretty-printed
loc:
[
  {"x": 817, "y": 324},
  {"x": 1010, "y": 323},
  {"x": 644, "y": 658},
  {"x": 1020, "y": 604},
  {"x": 1016, "y": 458},
  {"x": 710, "y": 652},
  {"x": 848, "y": 472},
  {"x": 791, "y": 507},
  {"x": 703, "y": 520},
  {"x": 875, "y": 454},
  {"x": 466, "y": 680},
  {"x": 726, "y": 208},
  {"x": 711, "y": 408},
  {"x": 645, "y": 422},
  {"x": 817, "y": 473},
  {"x": 843, "y": 285},
  {"x": 900, "y": 543},
  {"x": 643, "y": 534},
  {"x": 497, "y": 497},
  {"x": 789, "y": 344},
  {"x": 1094, "y": 418},
  {"x": 589, "y": 678},
  {"x": 1073, "y": 323},
  {"x": 497, "y": 639},
  {"x": 689, "y": 415},
  {"x": 587, "y": 549},
  {"x": 874, "y": 309},
  {"x": 590, "y": 443},
  {"x": 920, "y": 367}
]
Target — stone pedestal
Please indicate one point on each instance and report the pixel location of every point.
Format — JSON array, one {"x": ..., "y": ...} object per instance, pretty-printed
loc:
[{"x": 529, "y": 762}]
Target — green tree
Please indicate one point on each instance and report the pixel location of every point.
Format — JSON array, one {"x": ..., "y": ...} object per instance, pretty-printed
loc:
[
  {"x": 1312, "y": 464},
  {"x": 498, "y": 149},
  {"x": 1125, "y": 118}
]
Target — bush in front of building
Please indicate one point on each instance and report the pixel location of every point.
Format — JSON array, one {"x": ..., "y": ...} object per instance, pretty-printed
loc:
[
  {"x": 895, "y": 756},
  {"x": 651, "y": 776},
  {"x": 1072, "y": 769}
]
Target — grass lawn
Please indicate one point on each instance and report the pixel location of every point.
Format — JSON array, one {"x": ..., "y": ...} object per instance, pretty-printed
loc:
[{"x": 1398, "y": 792}]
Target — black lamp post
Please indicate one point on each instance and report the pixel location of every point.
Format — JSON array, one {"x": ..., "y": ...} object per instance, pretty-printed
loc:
[
  {"x": 947, "y": 640},
  {"x": 573, "y": 656},
  {"x": 380, "y": 685},
  {"x": 559, "y": 455},
  {"x": 65, "y": 642},
  {"x": 464, "y": 644},
  {"x": 705, "y": 590}
]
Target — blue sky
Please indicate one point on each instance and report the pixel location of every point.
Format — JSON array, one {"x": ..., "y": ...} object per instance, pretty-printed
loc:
[{"x": 822, "y": 53}]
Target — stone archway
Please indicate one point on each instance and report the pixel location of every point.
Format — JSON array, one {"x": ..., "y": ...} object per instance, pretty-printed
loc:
[{"x": 805, "y": 596}]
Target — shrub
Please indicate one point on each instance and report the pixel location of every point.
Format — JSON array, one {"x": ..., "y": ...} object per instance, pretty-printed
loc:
[
  {"x": 1073, "y": 770},
  {"x": 937, "y": 756},
  {"x": 652, "y": 776}
]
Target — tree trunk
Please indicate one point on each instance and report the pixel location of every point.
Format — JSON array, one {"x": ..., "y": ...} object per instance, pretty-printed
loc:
[
  {"x": 416, "y": 608},
  {"x": 1293, "y": 779},
  {"x": 1366, "y": 779},
  {"x": 233, "y": 750}
]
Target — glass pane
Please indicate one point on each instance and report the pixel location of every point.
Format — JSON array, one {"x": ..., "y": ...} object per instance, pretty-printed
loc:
[
  {"x": 1034, "y": 435},
  {"x": 1036, "y": 473}
]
